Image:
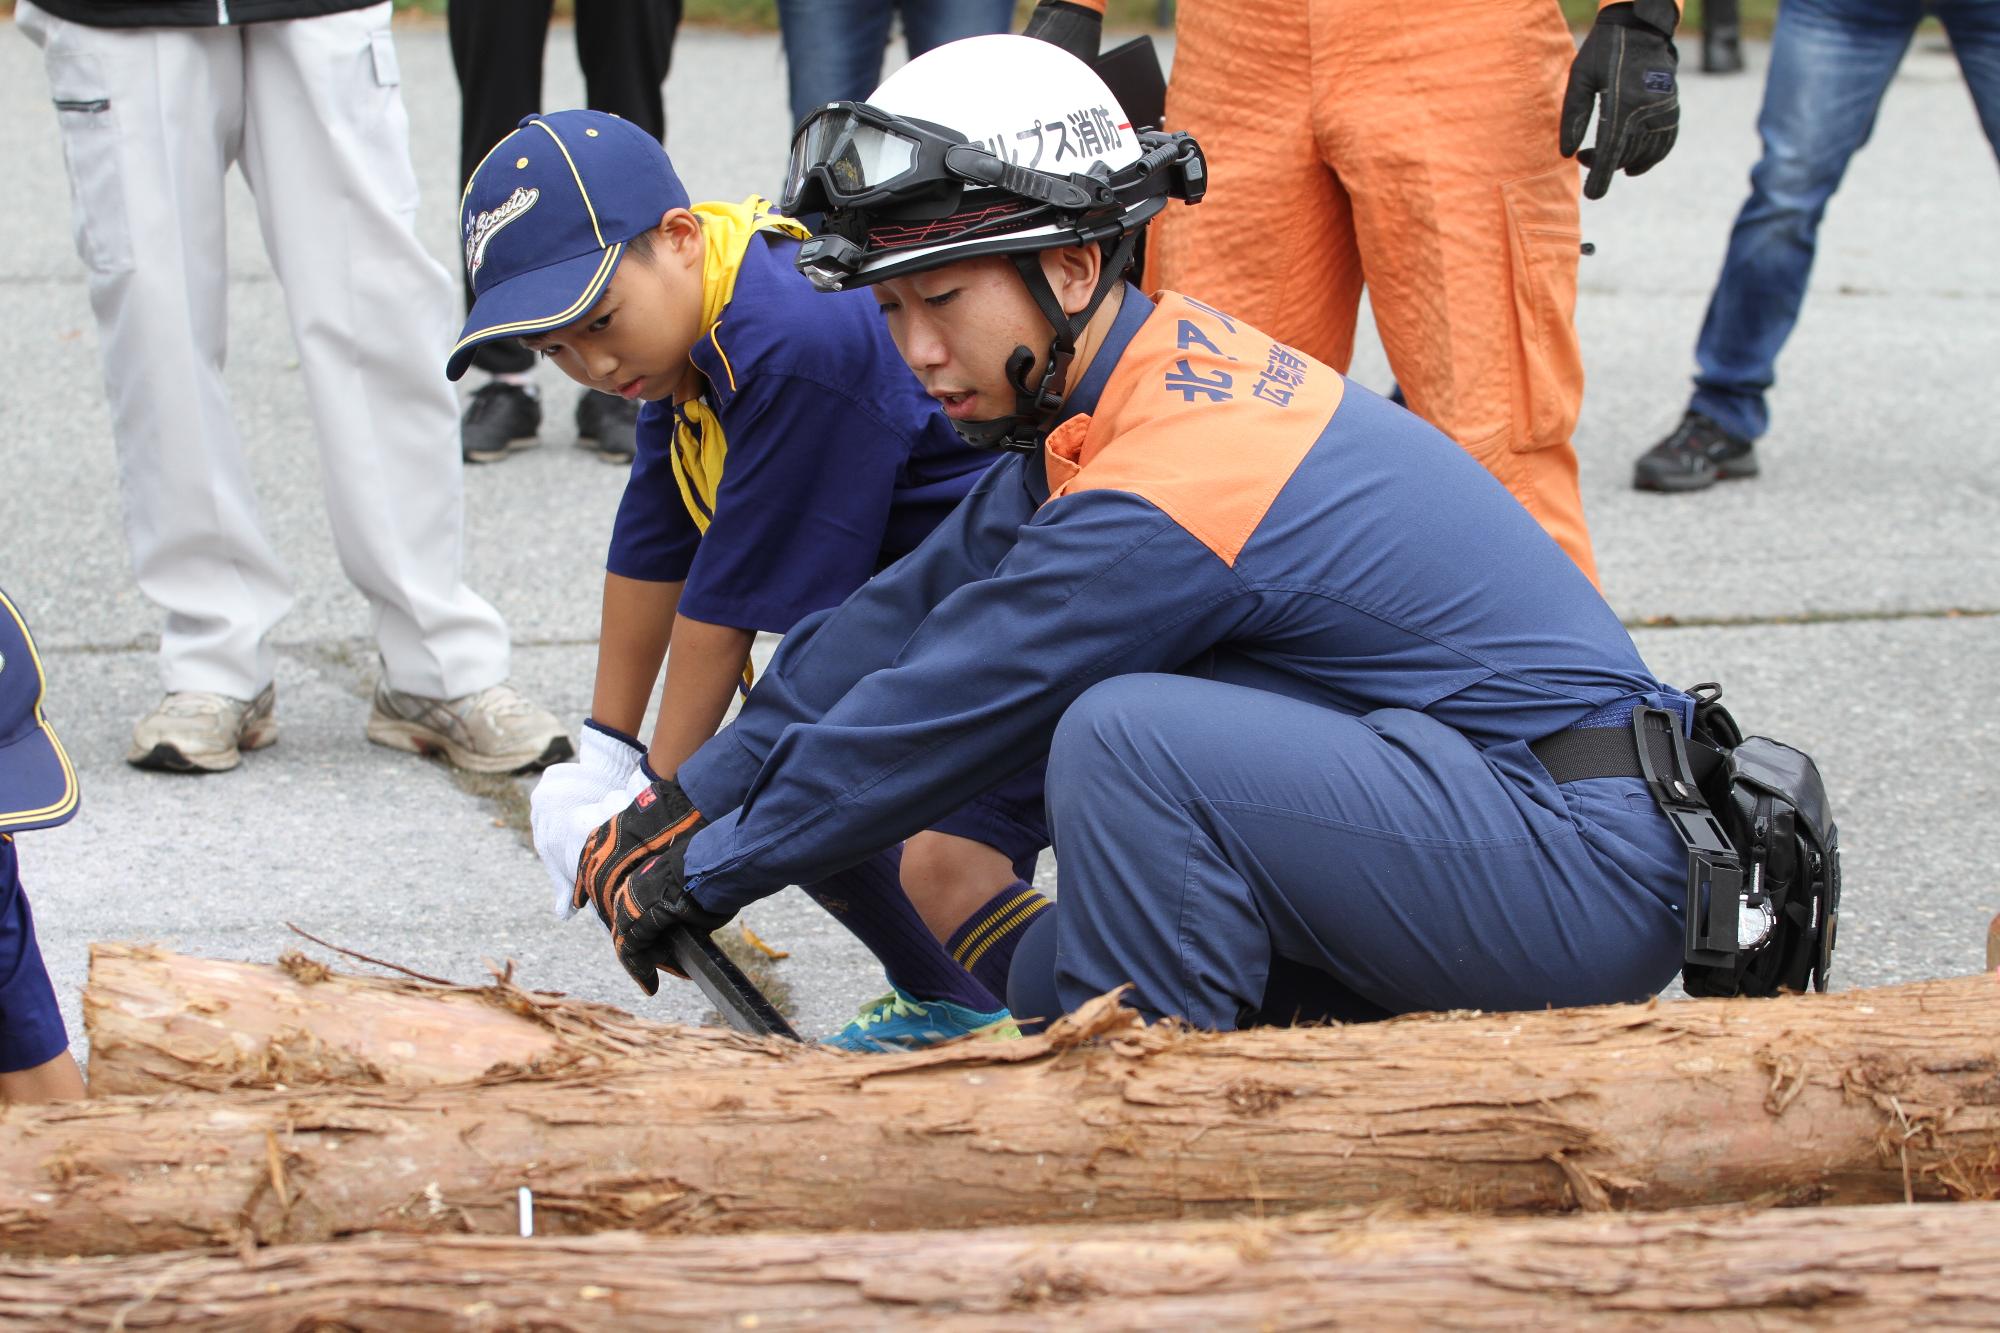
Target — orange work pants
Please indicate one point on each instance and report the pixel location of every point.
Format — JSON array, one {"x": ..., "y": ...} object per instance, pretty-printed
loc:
[{"x": 1409, "y": 146}]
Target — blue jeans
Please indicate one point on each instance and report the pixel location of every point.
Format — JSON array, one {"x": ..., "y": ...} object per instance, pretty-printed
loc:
[
  {"x": 1831, "y": 61},
  {"x": 833, "y": 48}
]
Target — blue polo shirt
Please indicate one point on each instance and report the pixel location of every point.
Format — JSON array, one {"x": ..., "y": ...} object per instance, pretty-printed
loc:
[{"x": 838, "y": 462}]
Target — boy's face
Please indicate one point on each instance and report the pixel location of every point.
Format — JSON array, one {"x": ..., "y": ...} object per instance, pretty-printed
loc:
[
  {"x": 635, "y": 340},
  {"x": 957, "y": 325}
]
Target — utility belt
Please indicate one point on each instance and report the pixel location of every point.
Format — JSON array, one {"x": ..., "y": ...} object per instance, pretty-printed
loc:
[{"x": 1763, "y": 885}]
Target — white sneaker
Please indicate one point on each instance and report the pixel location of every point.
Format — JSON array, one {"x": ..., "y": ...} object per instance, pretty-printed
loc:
[
  {"x": 193, "y": 731},
  {"x": 493, "y": 731}
]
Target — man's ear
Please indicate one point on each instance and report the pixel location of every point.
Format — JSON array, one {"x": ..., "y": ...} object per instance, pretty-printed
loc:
[{"x": 1072, "y": 273}]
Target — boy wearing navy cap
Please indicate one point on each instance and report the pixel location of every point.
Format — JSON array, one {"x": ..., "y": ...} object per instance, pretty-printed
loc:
[
  {"x": 785, "y": 454},
  {"x": 37, "y": 790}
]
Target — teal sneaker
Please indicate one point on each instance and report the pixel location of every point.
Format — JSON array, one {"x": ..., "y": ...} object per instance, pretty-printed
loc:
[{"x": 900, "y": 1021}]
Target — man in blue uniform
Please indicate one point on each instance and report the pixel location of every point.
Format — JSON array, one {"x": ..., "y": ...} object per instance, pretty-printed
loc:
[{"x": 1288, "y": 649}]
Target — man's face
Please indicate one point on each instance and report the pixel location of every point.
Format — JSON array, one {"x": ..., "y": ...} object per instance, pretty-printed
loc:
[
  {"x": 635, "y": 340},
  {"x": 957, "y": 325}
]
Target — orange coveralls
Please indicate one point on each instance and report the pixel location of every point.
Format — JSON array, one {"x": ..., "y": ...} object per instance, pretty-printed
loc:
[{"x": 1411, "y": 149}]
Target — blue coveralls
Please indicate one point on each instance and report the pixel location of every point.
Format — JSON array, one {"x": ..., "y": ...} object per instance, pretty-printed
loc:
[
  {"x": 1284, "y": 646},
  {"x": 838, "y": 464}
]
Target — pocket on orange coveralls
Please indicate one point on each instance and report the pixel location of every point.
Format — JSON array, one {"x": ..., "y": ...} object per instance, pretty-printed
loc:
[{"x": 1544, "y": 238}]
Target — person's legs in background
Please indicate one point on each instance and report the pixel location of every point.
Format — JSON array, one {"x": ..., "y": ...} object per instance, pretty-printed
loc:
[
  {"x": 1721, "y": 37},
  {"x": 833, "y": 49},
  {"x": 496, "y": 48},
  {"x": 1472, "y": 275},
  {"x": 626, "y": 48},
  {"x": 1974, "y": 29},
  {"x": 1298, "y": 280},
  {"x": 1831, "y": 61},
  {"x": 370, "y": 311},
  {"x": 1479, "y": 333},
  {"x": 151, "y": 119},
  {"x": 929, "y": 23}
]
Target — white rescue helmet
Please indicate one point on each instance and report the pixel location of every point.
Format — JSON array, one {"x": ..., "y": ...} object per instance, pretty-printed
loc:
[
  {"x": 998, "y": 145},
  {"x": 1001, "y": 144}
]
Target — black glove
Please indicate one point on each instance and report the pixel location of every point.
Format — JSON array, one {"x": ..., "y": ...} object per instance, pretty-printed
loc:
[
  {"x": 1629, "y": 59},
  {"x": 632, "y": 872},
  {"x": 1077, "y": 29}
]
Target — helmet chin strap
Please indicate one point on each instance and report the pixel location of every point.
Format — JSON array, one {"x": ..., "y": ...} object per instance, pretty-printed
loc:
[{"x": 1036, "y": 406}]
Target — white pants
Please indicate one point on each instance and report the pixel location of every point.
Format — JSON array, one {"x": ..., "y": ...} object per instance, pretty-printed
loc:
[{"x": 310, "y": 109}]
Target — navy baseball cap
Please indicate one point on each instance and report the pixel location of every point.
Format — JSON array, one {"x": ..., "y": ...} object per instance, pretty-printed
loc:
[
  {"x": 545, "y": 219},
  {"x": 37, "y": 781}
]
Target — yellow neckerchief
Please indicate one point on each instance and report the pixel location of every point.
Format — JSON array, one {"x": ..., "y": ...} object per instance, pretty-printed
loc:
[
  {"x": 727, "y": 231},
  {"x": 699, "y": 447}
]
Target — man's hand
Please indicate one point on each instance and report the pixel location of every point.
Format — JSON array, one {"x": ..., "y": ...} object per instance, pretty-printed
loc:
[
  {"x": 572, "y": 799},
  {"x": 633, "y": 874},
  {"x": 1629, "y": 60}
]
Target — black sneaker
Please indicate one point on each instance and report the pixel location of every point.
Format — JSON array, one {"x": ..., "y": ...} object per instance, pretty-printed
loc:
[
  {"x": 1697, "y": 455},
  {"x": 501, "y": 419},
  {"x": 608, "y": 424}
]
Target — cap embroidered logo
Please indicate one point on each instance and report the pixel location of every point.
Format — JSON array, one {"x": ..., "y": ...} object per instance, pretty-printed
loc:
[{"x": 483, "y": 226}]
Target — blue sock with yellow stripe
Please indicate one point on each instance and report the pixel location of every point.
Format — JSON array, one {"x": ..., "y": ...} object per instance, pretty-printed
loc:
[
  {"x": 869, "y": 900},
  {"x": 984, "y": 945}
]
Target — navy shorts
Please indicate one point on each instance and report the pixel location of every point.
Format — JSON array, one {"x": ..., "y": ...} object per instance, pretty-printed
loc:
[
  {"x": 31, "y": 1026},
  {"x": 1010, "y": 817}
]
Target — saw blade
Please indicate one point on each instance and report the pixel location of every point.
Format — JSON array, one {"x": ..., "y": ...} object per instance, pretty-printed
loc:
[{"x": 734, "y": 995}]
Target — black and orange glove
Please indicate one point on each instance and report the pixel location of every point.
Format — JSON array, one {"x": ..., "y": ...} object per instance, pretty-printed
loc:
[
  {"x": 1077, "y": 29},
  {"x": 1628, "y": 60},
  {"x": 633, "y": 872}
]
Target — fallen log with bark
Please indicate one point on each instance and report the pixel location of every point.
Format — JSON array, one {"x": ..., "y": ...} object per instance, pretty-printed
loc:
[
  {"x": 161, "y": 1021},
  {"x": 1856, "y": 1097},
  {"x": 1879, "y": 1268}
]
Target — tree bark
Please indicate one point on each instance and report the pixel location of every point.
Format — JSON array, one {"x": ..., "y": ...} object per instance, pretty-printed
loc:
[
  {"x": 159, "y": 1022},
  {"x": 1879, "y": 1268},
  {"x": 1863, "y": 1096}
]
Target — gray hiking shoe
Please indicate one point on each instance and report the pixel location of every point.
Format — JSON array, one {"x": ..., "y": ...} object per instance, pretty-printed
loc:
[
  {"x": 192, "y": 731},
  {"x": 493, "y": 731},
  {"x": 1696, "y": 455}
]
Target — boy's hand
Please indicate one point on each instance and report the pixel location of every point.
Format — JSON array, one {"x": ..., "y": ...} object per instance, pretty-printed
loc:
[
  {"x": 633, "y": 874},
  {"x": 572, "y": 799},
  {"x": 1628, "y": 59}
]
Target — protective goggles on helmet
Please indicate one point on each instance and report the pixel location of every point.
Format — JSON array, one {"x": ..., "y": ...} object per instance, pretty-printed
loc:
[
  {"x": 847, "y": 154},
  {"x": 850, "y": 155},
  {"x": 1015, "y": 210}
]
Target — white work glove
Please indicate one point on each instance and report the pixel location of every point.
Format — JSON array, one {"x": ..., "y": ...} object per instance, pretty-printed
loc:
[{"x": 572, "y": 799}]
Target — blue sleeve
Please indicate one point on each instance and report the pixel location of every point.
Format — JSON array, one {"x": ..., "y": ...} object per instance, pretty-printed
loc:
[
  {"x": 1101, "y": 584},
  {"x": 826, "y": 653},
  {"x": 653, "y": 538},
  {"x": 800, "y": 513}
]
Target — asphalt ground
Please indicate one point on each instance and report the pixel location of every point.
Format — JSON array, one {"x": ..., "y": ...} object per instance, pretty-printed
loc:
[{"x": 1847, "y": 598}]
